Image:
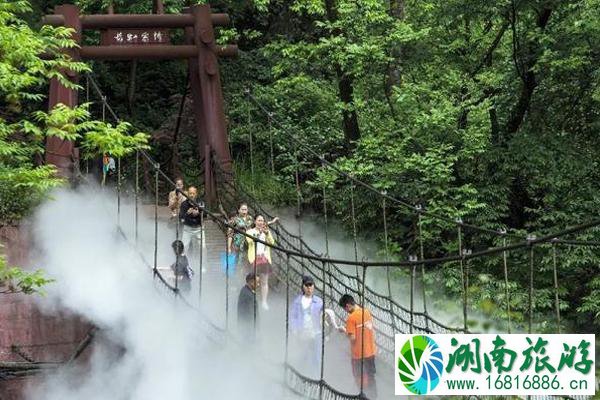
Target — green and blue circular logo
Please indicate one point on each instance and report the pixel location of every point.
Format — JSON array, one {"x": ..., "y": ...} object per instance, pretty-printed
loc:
[{"x": 420, "y": 364}]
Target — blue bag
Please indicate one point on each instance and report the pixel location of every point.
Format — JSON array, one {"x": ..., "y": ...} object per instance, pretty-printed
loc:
[{"x": 231, "y": 259}]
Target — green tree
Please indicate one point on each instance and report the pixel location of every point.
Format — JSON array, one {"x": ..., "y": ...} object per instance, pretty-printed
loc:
[{"x": 28, "y": 60}]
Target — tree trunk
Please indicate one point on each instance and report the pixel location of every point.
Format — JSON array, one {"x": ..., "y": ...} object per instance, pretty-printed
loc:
[
  {"x": 350, "y": 119},
  {"x": 131, "y": 87},
  {"x": 345, "y": 90},
  {"x": 394, "y": 71},
  {"x": 517, "y": 114},
  {"x": 519, "y": 198}
]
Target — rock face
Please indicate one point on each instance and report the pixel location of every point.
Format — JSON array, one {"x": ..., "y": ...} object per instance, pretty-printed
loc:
[{"x": 25, "y": 332}]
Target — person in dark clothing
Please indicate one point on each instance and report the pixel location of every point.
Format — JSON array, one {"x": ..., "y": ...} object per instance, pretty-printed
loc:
[
  {"x": 246, "y": 307},
  {"x": 190, "y": 215},
  {"x": 181, "y": 267}
]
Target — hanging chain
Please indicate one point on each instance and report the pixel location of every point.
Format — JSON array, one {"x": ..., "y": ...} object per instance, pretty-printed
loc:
[
  {"x": 354, "y": 233},
  {"x": 413, "y": 270},
  {"x": 422, "y": 254},
  {"x": 462, "y": 273},
  {"x": 270, "y": 116},
  {"x": 555, "y": 273},
  {"x": 119, "y": 191},
  {"x": 87, "y": 101},
  {"x": 136, "y": 194},
  {"x": 326, "y": 220},
  {"x": 298, "y": 204},
  {"x": 530, "y": 238},
  {"x": 387, "y": 258},
  {"x": 506, "y": 292},
  {"x": 252, "y": 176},
  {"x": 227, "y": 279},
  {"x": 362, "y": 327},
  {"x": 322, "y": 373},
  {"x": 156, "y": 169},
  {"x": 466, "y": 252},
  {"x": 200, "y": 277},
  {"x": 287, "y": 307},
  {"x": 247, "y": 91},
  {"x": 255, "y": 287}
]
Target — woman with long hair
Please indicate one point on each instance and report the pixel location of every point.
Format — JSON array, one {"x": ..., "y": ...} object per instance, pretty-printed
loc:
[{"x": 259, "y": 255}]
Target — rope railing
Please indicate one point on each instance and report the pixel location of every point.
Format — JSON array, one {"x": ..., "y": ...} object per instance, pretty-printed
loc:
[
  {"x": 302, "y": 384},
  {"x": 540, "y": 240},
  {"x": 295, "y": 380},
  {"x": 390, "y": 316},
  {"x": 413, "y": 209}
]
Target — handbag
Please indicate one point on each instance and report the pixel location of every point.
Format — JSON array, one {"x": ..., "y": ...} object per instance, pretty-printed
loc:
[{"x": 228, "y": 263}]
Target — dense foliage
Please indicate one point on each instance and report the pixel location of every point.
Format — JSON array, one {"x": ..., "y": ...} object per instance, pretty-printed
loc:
[
  {"x": 487, "y": 111},
  {"x": 29, "y": 58}
]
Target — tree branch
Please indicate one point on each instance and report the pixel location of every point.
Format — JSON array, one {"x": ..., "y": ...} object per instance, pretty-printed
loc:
[
  {"x": 488, "y": 54},
  {"x": 530, "y": 82}
]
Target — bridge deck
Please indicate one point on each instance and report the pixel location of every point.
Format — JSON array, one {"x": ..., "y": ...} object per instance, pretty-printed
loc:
[{"x": 271, "y": 326}]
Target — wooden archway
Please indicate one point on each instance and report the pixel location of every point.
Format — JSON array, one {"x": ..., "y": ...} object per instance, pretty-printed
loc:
[{"x": 146, "y": 37}]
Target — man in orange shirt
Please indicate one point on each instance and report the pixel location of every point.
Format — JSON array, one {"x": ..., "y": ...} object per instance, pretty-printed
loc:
[{"x": 359, "y": 328}]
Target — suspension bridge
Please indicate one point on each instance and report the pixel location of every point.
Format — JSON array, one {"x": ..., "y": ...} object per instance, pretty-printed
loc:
[{"x": 293, "y": 257}]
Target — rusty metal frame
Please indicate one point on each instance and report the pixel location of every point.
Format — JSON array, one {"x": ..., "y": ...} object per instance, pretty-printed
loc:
[
  {"x": 106, "y": 21},
  {"x": 200, "y": 50}
]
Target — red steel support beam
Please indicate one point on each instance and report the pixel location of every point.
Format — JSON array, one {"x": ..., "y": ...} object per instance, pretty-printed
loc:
[
  {"x": 210, "y": 196},
  {"x": 105, "y": 21},
  {"x": 150, "y": 52},
  {"x": 61, "y": 153},
  {"x": 196, "y": 92},
  {"x": 210, "y": 85}
]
